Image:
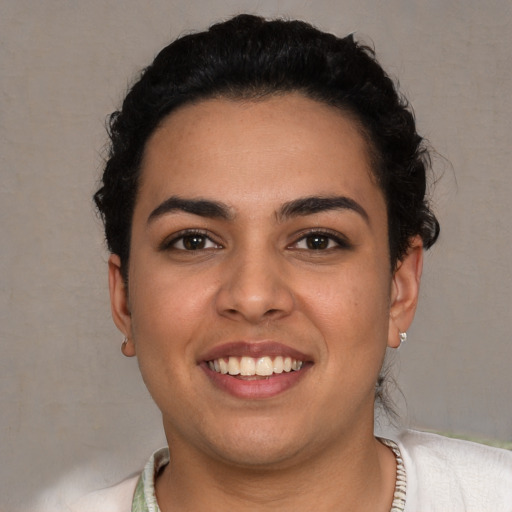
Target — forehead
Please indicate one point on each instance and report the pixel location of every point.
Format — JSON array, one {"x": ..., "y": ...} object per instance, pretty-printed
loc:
[{"x": 271, "y": 149}]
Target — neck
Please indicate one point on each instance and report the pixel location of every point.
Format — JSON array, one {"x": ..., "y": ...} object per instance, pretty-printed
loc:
[{"x": 358, "y": 476}]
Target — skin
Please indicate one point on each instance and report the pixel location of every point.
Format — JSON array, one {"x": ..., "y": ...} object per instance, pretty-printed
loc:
[{"x": 256, "y": 279}]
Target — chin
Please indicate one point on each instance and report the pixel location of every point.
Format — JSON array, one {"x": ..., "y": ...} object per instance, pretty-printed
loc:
[
  {"x": 263, "y": 456},
  {"x": 260, "y": 446}
]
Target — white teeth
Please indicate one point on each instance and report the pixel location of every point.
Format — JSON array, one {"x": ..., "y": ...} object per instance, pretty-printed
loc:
[
  {"x": 278, "y": 364},
  {"x": 248, "y": 366},
  {"x": 296, "y": 365},
  {"x": 264, "y": 366},
  {"x": 233, "y": 366},
  {"x": 223, "y": 366}
]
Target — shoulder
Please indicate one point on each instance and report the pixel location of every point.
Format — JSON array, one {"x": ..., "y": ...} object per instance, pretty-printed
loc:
[
  {"x": 136, "y": 491},
  {"x": 461, "y": 475},
  {"x": 117, "y": 498}
]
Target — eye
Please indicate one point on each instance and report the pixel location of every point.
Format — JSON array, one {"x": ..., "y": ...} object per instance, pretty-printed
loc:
[
  {"x": 191, "y": 241},
  {"x": 320, "y": 241}
]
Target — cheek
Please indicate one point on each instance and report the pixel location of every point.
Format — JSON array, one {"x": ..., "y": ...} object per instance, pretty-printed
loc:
[
  {"x": 351, "y": 311},
  {"x": 348, "y": 304},
  {"x": 354, "y": 326},
  {"x": 167, "y": 308},
  {"x": 166, "y": 324}
]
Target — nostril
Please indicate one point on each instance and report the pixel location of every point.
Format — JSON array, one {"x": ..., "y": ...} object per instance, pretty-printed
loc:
[{"x": 253, "y": 300}]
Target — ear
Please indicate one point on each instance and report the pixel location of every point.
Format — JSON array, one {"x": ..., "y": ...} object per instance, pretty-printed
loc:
[
  {"x": 405, "y": 288},
  {"x": 119, "y": 303}
]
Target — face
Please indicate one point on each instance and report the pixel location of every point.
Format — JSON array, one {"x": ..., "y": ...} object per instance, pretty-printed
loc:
[{"x": 260, "y": 300}]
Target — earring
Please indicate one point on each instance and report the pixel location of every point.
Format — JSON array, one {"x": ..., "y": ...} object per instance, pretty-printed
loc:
[
  {"x": 123, "y": 345},
  {"x": 403, "y": 337}
]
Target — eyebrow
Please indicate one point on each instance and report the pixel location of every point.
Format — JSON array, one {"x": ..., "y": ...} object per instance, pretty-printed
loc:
[
  {"x": 201, "y": 207},
  {"x": 316, "y": 204},
  {"x": 296, "y": 208}
]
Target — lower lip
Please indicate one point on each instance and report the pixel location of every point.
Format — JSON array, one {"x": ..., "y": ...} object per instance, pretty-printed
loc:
[{"x": 258, "y": 388}]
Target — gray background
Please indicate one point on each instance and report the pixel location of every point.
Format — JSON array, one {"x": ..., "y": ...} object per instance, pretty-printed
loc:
[{"x": 74, "y": 413}]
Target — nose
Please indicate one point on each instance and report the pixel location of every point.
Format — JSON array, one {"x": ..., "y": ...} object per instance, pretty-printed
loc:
[{"x": 254, "y": 288}]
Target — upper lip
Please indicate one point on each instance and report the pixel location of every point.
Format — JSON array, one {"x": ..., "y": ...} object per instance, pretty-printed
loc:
[{"x": 253, "y": 349}]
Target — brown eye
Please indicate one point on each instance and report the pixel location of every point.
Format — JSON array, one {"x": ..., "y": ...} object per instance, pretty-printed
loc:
[
  {"x": 317, "y": 242},
  {"x": 191, "y": 242},
  {"x": 194, "y": 242},
  {"x": 321, "y": 241}
]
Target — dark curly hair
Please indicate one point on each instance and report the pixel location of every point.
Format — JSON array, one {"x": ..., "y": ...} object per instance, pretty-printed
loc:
[{"x": 248, "y": 57}]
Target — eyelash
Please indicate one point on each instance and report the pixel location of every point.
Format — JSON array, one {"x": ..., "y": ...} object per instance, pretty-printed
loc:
[
  {"x": 170, "y": 244},
  {"x": 331, "y": 236}
]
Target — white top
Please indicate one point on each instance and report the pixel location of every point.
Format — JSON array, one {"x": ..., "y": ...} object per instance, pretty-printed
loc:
[
  {"x": 450, "y": 475},
  {"x": 443, "y": 475}
]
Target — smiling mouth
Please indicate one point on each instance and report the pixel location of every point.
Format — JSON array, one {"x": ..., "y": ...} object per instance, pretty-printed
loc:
[{"x": 265, "y": 366}]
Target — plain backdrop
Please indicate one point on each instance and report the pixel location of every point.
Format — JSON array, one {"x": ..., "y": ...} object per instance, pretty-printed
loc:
[{"x": 74, "y": 413}]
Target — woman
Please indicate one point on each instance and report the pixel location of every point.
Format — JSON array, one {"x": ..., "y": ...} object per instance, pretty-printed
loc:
[{"x": 265, "y": 208}]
